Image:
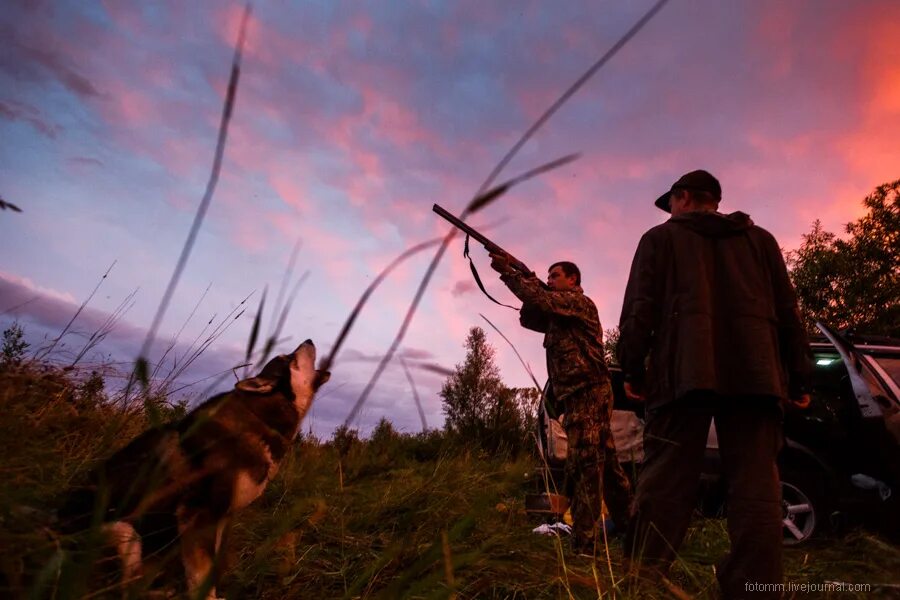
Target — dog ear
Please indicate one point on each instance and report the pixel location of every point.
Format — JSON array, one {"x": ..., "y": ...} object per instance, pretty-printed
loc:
[
  {"x": 267, "y": 379},
  {"x": 256, "y": 385}
]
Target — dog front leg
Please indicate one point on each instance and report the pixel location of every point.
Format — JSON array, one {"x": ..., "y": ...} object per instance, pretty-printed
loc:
[
  {"x": 223, "y": 527},
  {"x": 198, "y": 547},
  {"x": 128, "y": 547}
]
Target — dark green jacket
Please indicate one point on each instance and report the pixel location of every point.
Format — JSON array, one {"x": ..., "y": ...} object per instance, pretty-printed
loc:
[
  {"x": 709, "y": 306},
  {"x": 573, "y": 337}
]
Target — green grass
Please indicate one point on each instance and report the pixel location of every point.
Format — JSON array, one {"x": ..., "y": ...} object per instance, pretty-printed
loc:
[{"x": 408, "y": 516}]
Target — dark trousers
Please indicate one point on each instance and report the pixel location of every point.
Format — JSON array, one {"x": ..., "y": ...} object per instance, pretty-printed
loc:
[
  {"x": 750, "y": 437},
  {"x": 592, "y": 468}
]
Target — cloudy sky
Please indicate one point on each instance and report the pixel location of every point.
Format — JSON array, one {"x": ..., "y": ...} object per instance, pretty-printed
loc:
[{"x": 353, "y": 118}]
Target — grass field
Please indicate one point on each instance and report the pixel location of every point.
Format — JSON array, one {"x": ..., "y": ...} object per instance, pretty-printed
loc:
[{"x": 397, "y": 516}]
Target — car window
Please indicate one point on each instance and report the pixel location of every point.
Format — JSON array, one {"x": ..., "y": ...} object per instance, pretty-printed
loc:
[
  {"x": 875, "y": 386},
  {"x": 890, "y": 410},
  {"x": 891, "y": 364}
]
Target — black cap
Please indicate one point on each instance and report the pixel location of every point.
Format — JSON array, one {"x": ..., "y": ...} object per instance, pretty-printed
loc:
[{"x": 701, "y": 181}]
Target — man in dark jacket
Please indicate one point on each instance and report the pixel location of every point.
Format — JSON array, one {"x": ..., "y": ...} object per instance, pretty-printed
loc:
[
  {"x": 710, "y": 329},
  {"x": 580, "y": 384}
]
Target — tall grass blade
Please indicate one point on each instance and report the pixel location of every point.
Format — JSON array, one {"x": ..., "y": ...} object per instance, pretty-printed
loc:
[
  {"x": 405, "y": 325},
  {"x": 105, "y": 328},
  {"x": 534, "y": 380},
  {"x": 328, "y": 361},
  {"x": 415, "y": 393},
  {"x": 448, "y": 564},
  {"x": 273, "y": 339},
  {"x": 494, "y": 193},
  {"x": 218, "y": 330},
  {"x": 210, "y": 186},
  {"x": 461, "y": 529},
  {"x": 288, "y": 271},
  {"x": 9, "y": 205},
  {"x": 46, "y": 351},
  {"x": 48, "y": 576},
  {"x": 180, "y": 331},
  {"x": 20, "y": 305},
  {"x": 585, "y": 77},
  {"x": 254, "y": 331}
]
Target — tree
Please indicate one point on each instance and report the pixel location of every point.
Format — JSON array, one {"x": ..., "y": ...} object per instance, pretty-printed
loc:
[
  {"x": 383, "y": 437},
  {"x": 816, "y": 270},
  {"x": 873, "y": 292},
  {"x": 504, "y": 429},
  {"x": 472, "y": 388},
  {"x": 610, "y": 345},
  {"x": 853, "y": 283},
  {"x": 477, "y": 406},
  {"x": 527, "y": 402},
  {"x": 344, "y": 439},
  {"x": 14, "y": 346}
]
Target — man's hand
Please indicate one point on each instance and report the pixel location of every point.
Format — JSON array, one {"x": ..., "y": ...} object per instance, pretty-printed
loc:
[
  {"x": 632, "y": 393},
  {"x": 500, "y": 262},
  {"x": 801, "y": 403}
]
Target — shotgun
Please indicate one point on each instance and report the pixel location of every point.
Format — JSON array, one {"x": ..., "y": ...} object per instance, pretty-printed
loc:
[{"x": 473, "y": 233}]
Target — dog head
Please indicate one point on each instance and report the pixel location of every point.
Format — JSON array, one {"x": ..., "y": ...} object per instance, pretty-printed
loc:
[{"x": 296, "y": 371}]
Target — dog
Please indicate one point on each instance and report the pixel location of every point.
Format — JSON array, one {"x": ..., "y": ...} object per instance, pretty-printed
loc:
[{"x": 184, "y": 481}]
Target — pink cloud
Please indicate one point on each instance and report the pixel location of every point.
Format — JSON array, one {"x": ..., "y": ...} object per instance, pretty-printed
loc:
[
  {"x": 290, "y": 183},
  {"x": 463, "y": 287},
  {"x": 39, "y": 290}
]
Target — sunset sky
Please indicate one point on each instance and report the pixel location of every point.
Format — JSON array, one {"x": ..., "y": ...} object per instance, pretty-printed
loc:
[{"x": 353, "y": 118}]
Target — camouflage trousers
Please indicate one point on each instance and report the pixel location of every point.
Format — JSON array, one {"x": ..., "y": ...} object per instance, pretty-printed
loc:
[{"x": 592, "y": 469}]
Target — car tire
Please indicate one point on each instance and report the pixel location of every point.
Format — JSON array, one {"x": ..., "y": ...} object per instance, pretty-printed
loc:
[{"x": 803, "y": 506}]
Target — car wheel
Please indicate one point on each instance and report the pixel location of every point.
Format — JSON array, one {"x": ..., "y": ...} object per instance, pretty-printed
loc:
[{"x": 799, "y": 511}]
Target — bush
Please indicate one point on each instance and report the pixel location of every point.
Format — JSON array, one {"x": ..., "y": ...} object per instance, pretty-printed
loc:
[{"x": 14, "y": 346}]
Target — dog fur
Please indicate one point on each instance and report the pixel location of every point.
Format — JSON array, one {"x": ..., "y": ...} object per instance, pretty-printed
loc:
[{"x": 184, "y": 481}]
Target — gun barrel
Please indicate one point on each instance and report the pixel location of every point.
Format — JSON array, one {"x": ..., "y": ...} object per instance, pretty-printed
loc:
[
  {"x": 484, "y": 241},
  {"x": 470, "y": 231}
]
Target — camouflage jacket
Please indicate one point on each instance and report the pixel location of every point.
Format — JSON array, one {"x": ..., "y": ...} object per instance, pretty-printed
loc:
[{"x": 573, "y": 337}]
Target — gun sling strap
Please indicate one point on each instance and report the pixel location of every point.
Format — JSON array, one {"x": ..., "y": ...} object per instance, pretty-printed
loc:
[{"x": 478, "y": 277}]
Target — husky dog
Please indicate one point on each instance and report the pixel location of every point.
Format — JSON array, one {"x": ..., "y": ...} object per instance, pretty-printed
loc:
[{"x": 185, "y": 480}]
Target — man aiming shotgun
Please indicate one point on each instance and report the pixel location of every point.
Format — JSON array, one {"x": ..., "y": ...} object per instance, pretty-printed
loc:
[{"x": 579, "y": 382}]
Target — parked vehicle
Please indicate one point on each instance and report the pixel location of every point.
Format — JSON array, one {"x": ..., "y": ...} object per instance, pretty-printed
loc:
[
  {"x": 841, "y": 458},
  {"x": 840, "y": 463}
]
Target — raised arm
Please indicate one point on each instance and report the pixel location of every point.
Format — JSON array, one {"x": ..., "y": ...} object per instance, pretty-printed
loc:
[{"x": 530, "y": 290}]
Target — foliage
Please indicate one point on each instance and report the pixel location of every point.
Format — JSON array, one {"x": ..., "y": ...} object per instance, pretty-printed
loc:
[
  {"x": 479, "y": 409},
  {"x": 471, "y": 389},
  {"x": 816, "y": 269},
  {"x": 874, "y": 250},
  {"x": 384, "y": 434},
  {"x": 527, "y": 403},
  {"x": 853, "y": 283},
  {"x": 383, "y": 442},
  {"x": 92, "y": 389},
  {"x": 14, "y": 346},
  {"x": 610, "y": 345},
  {"x": 344, "y": 439}
]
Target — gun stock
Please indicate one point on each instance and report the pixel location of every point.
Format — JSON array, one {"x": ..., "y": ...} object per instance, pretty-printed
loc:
[{"x": 480, "y": 238}]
